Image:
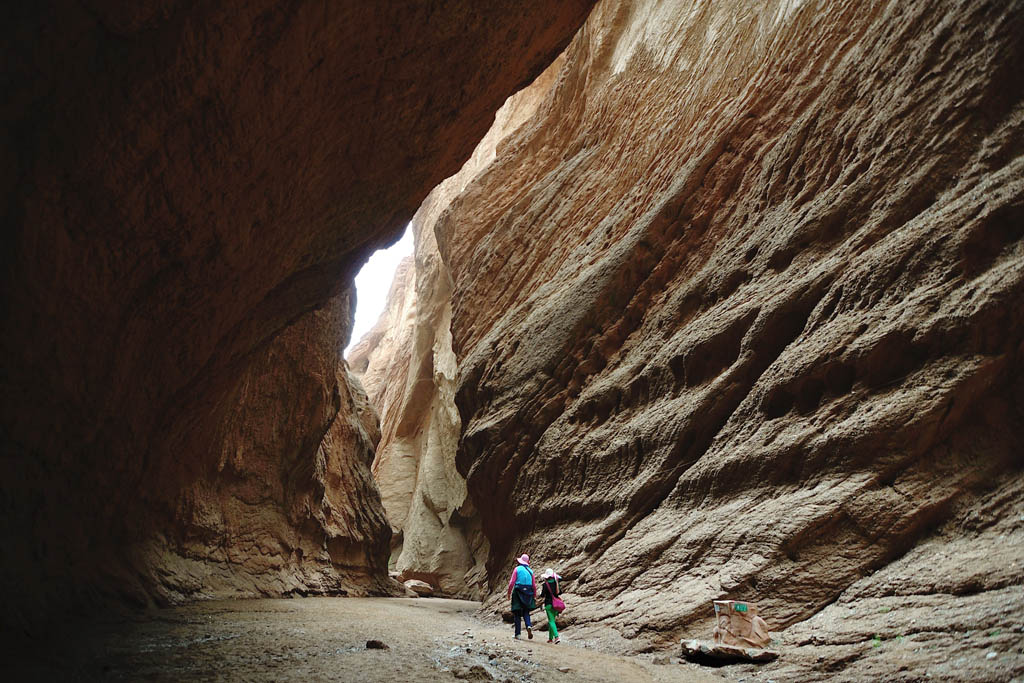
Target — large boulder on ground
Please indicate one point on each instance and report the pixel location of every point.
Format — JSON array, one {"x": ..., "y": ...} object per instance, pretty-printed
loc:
[
  {"x": 717, "y": 654},
  {"x": 419, "y": 587}
]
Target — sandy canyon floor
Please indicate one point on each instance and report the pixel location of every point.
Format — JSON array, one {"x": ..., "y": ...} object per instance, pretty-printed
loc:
[{"x": 325, "y": 639}]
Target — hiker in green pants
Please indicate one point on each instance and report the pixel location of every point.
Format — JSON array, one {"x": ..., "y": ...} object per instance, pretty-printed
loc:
[{"x": 552, "y": 602}]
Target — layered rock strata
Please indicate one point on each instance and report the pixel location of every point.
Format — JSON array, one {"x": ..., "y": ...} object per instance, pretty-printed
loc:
[
  {"x": 739, "y": 313},
  {"x": 187, "y": 190},
  {"x": 408, "y": 368}
]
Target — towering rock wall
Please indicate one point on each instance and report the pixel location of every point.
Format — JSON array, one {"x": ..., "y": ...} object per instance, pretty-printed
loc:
[
  {"x": 408, "y": 368},
  {"x": 187, "y": 189},
  {"x": 740, "y": 313}
]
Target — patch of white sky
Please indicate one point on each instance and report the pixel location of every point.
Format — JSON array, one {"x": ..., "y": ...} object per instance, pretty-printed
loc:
[{"x": 373, "y": 283}]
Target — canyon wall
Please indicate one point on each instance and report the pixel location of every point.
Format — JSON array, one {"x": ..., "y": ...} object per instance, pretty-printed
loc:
[
  {"x": 408, "y": 368},
  {"x": 286, "y": 504},
  {"x": 739, "y": 313},
  {"x": 187, "y": 190}
]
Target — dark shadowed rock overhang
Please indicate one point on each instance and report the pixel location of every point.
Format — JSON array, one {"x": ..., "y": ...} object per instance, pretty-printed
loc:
[{"x": 186, "y": 190}]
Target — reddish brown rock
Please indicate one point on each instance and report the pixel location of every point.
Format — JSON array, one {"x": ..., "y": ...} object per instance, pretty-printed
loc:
[
  {"x": 187, "y": 189},
  {"x": 740, "y": 314}
]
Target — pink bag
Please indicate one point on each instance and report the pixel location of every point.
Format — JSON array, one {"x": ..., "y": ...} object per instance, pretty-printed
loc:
[{"x": 556, "y": 603}]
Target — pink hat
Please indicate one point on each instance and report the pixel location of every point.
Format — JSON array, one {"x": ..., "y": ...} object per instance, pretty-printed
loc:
[{"x": 525, "y": 559}]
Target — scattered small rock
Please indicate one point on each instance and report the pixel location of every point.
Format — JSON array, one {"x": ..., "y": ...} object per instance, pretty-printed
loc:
[
  {"x": 376, "y": 645},
  {"x": 992, "y": 655},
  {"x": 564, "y": 669},
  {"x": 662, "y": 660},
  {"x": 473, "y": 673}
]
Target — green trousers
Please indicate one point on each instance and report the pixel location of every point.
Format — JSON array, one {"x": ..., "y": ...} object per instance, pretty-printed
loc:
[{"x": 552, "y": 629}]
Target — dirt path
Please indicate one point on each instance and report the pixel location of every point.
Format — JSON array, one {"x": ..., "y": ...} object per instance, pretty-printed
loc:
[{"x": 325, "y": 639}]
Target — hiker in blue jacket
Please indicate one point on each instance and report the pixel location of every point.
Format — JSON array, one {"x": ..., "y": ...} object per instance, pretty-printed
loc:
[{"x": 523, "y": 590}]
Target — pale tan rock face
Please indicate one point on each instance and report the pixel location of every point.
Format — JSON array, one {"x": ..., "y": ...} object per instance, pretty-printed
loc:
[
  {"x": 738, "y": 314},
  {"x": 381, "y": 363},
  {"x": 187, "y": 189},
  {"x": 408, "y": 368}
]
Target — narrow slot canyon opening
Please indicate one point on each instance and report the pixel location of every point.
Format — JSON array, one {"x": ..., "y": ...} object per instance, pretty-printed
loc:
[
  {"x": 372, "y": 284},
  {"x": 406, "y": 365}
]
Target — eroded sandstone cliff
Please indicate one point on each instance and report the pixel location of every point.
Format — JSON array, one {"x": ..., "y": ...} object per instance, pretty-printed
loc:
[
  {"x": 740, "y": 313},
  {"x": 187, "y": 189},
  {"x": 289, "y": 506},
  {"x": 408, "y": 368}
]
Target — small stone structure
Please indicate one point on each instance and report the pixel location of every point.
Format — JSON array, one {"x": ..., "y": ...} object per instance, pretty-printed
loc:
[
  {"x": 740, "y": 635},
  {"x": 738, "y": 624}
]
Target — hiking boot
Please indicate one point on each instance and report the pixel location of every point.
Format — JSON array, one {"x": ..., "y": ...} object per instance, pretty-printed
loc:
[
  {"x": 517, "y": 637},
  {"x": 529, "y": 633}
]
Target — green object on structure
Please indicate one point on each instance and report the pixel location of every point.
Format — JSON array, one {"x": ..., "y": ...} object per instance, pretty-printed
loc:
[{"x": 740, "y": 607}]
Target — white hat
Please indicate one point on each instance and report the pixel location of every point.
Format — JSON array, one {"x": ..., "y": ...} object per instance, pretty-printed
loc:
[{"x": 549, "y": 572}]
